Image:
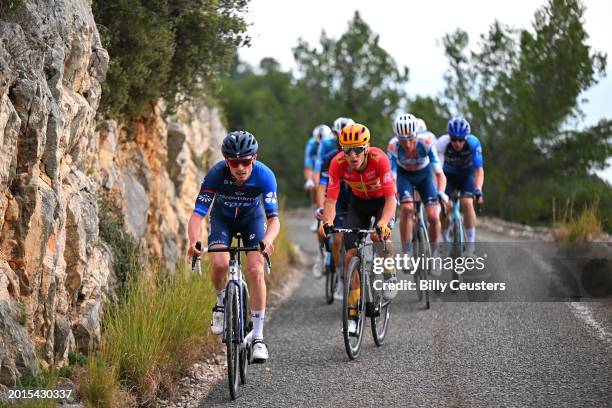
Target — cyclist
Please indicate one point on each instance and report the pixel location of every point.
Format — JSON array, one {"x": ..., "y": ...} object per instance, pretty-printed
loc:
[
  {"x": 329, "y": 142},
  {"x": 310, "y": 155},
  {"x": 367, "y": 171},
  {"x": 342, "y": 205},
  {"x": 231, "y": 191},
  {"x": 415, "y": 163},
  {"x": 461, "y": 158}
]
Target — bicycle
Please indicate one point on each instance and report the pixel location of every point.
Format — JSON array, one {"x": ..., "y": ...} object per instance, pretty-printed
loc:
[
  {"x": 456, "y": 232},
  {"x": 331, "y": 277},
  {"x": 376, "y": 307},
  {"x": 237, "y": 323},
  {"x": 421, "y": 247}
]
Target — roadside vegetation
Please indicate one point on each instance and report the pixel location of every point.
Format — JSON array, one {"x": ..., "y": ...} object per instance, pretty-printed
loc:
[
  {"x": 158, "y": 328},
  {"x": 573, "y": 226}
]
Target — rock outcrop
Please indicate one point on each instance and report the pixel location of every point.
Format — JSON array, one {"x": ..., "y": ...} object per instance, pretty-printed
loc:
[{"x": 56, "y": 159}]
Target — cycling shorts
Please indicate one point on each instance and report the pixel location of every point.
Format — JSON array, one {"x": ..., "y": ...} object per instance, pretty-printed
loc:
[
  {"x": 359, "y": 215},
  {"x": 464, "y": 182},
  {"x": 421, "y": 179},
  {"x": 222, "y": 229}
]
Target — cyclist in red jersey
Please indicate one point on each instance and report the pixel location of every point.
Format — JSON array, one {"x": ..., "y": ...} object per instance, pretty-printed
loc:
[{"x": 367, "y": 171}]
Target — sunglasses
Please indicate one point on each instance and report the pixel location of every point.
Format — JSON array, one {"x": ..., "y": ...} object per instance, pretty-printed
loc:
[
  {"x": 356, "y": 150},
  {"x": 234, "y": 163},
  {"x": 457, "y": 139}
]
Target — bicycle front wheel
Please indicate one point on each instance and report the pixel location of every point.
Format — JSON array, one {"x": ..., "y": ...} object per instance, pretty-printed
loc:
[
  {"x": 244, "y": 322},
  {"x": 457, "y": 243},
  {"x": 232, "y": 339},
  {"x": 426, "y": 251},
  {"x": 379, "y": 315},
  {"x": 352, "y": 341},
  {"x": 330, "y": 283}
]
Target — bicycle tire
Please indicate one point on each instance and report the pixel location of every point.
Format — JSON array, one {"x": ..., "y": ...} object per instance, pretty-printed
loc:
[
  {"x": 416, "y": 274},
  {"x": 231, "y": 339},
  {"x": 380, "y": 323},
  {"x": 426, "y": 251},
  {"x": 330, "y": 284},
  {"x": 457, "y": 243},
  {"x": 352, "y": 344},
  {"x": 246, "y": 317}
]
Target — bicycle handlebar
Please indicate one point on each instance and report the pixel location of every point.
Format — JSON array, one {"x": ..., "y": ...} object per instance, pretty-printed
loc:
[
  {"x": 377, "y": 230},
  {"x": 259, "y": 248}
]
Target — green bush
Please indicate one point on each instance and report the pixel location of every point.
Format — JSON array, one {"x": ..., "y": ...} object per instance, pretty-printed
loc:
[{"x": 160, "y": 49}]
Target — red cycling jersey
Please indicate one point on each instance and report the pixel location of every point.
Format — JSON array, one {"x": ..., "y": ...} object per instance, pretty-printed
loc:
[{"x": 375, "y": 181}]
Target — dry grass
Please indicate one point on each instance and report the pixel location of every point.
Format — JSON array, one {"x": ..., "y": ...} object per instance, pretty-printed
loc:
[{"x": 572, "y": 227}]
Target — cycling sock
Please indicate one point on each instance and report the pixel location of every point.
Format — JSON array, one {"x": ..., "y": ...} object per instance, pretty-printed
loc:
[
  {"x": 220, "y": 297},
  {"x": 407, "y": 247},
  {"x": 258, "y": 317},
  {"x": 470, "y": 234},
  {"x": 445, "y": 234}
]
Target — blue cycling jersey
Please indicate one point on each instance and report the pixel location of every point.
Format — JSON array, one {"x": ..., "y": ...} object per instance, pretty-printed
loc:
[
  {"x": 418, "y": 159},
  {"x": 461, "y": 161},
  {"x": 310, "y": 152},
  {"x": 327, "y": 145},
  {"x": 345, "y": 191},
  {"x": 220, "y": 190}
]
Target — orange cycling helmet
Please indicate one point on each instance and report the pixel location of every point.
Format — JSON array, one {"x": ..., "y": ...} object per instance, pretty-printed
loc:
[{"x": 354, "y": 135}]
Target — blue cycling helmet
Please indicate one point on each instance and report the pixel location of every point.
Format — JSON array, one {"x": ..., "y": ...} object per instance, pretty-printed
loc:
[
  {"x": 458, "y": 128},
  {"x": 239, "y": 144}
]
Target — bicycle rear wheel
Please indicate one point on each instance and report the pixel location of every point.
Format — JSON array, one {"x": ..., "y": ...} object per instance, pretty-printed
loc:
[
  {"x": 426, "y": 251},
  {"x": 457, "y": 243},
  {"x": 244, "y": 319},
  {"x": 352, "y": 343},
  {"x": 232, "y": 338}
]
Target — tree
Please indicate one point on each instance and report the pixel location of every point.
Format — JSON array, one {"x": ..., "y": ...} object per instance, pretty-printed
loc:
[
  {"x": 159, "y": 49},
  {"x": 354, "y": 76},
  {"x": 520, "y": 92}
]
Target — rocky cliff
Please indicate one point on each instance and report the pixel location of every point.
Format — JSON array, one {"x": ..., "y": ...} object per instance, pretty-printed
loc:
[{"x": 56, "y": 159}]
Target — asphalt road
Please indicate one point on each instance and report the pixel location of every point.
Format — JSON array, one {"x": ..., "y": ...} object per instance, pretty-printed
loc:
[{"x": 455, "y": 354}]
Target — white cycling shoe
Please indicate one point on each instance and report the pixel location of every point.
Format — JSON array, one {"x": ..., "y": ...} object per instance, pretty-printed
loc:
[
  {"x": 216, "y": 326},
  {"x": 317, "y": 269},
  {"x": 352, "y": 327},
  {"x": 339, "y": 293},
  {"x": 390, "y": 294},
  {"x": 260, "y": 351},
  {"x": 314, "y": 226}
]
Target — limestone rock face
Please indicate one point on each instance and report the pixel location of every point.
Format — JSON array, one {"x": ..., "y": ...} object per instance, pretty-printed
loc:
[{"x": 57, "y": 157}]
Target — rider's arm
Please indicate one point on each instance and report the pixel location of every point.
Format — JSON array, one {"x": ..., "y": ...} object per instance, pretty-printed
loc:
[
  {"x": 272, "y": 230},
  {"x": 388, "y": 186},
  {"x": 441, "y": 145},
  {"x": 333, "y": 191},
  {"x": 477, "y": 160},
  {"x": 194, "y": 229},
  {"x": 479, "y": 177},
  {"x": 307, "y": 173},
  {"x": 436, "y": 166},
  {"x": 391, "y": 154}
]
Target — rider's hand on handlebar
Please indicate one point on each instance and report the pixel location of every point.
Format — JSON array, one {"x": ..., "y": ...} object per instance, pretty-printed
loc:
[
  {"x": 192, "y": 250},
  {"x": 268, "y": 247},
  {"x": 442, "y": 195},
  {"x": 308, "y": 184},
  {"x": 325, "y": 230},
  {"x": 478, "y": 194},
  {"x": 319, "y": 214},
  {"x": 383, "y": 230}
]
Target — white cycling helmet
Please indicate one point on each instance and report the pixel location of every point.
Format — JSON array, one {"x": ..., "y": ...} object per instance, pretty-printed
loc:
[
  {"x": 323, "y": 132},
  {"x": 340, "y": 123},
  {"x": 406, "y": 126},
  {"x": 422, "y": 125}
]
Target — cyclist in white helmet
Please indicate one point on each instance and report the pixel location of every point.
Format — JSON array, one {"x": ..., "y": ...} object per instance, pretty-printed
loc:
[{"x": 415, "y": 163}]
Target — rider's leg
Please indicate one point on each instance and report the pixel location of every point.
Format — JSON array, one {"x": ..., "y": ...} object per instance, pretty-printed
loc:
[
  {"x": 433, "y": 219},
  {"x": 450, "y": 187},
  {"x": 406, "y": 223},
  {"x": 469, "y": 221},
  {"x": 257, "y": 287},
  {"x": 218, "y": 273}
]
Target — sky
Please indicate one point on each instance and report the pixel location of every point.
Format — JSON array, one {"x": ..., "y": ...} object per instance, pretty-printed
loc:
[{"x": 276, "y": 25}]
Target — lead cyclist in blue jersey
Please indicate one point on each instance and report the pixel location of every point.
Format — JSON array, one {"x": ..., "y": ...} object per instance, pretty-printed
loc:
[
  {"x": 231, "y": 191},
  {"x": 460, "y": 154}
]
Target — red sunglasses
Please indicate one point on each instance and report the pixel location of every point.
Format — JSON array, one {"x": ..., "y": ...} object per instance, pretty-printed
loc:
[{"x": 234, "y": 163}]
